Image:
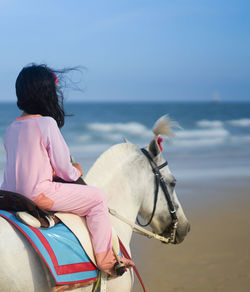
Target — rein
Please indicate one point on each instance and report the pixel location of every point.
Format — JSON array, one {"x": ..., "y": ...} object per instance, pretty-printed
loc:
[
  {"x": 159, "y": 182},
  {"x": 138, "y": 229}
]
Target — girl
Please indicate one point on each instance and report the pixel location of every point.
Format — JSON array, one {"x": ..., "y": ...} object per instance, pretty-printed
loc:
[{"x": 37, "y": 152}]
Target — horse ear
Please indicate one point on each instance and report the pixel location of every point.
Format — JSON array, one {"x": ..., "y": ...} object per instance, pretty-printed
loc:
[
  {"x": 126, "y": 140},
  {"x": 154, "y": 148}
]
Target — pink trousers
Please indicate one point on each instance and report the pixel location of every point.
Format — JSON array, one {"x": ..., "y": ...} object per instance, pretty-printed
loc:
[{"x": 91, "y": 203}]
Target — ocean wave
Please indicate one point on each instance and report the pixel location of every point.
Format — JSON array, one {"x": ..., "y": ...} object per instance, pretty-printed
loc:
[
  {"x": 114, "y": 137},
  {"x": 209, "y": 124},
  {"x": 240, "y": 139},
  {"x": 131, "y": 129},
  {"x": 211, "y": 133},
  {"x": 219, "y": 124},
  {"x": 239, "y": 123},
  {"x": 201, "y": 138},
  {"x": 84, "y": 138},
  {"x": 88, "y": 149},
  {"x": 199, "y": 142},
  {"x": 97, "y": 137}
]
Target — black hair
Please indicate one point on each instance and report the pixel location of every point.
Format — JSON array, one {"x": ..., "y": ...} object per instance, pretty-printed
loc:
[{"x": 38, "y": 92}]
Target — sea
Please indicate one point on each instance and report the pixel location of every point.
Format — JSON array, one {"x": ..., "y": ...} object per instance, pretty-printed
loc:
[{"x": 212, "y": 141}]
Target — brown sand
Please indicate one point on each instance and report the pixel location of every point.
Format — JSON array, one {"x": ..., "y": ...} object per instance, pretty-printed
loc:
[{"x": 216, "y": 254}]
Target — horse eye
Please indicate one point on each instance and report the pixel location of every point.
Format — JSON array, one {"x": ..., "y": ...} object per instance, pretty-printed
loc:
[{"x": 173, "y": 183}]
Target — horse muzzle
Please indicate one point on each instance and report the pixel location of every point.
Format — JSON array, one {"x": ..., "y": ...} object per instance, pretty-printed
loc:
[{"x": 180, "y": 233}]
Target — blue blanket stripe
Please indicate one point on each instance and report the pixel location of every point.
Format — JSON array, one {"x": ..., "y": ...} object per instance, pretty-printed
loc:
[{"x": 65, "y": 245}]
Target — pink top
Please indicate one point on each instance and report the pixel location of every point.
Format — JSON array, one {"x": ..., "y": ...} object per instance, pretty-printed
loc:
[{"x": 36, "y": 150}]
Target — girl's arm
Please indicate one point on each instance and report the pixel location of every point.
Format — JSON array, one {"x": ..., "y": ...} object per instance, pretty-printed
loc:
[{"x": 59, "y": 155}]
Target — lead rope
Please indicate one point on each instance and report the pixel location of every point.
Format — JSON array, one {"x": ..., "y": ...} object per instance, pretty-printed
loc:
[
  {"x": 138, "y": 229},
  {"x": 124, "y": 251}
]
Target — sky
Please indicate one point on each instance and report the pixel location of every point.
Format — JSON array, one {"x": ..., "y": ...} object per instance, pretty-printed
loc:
[{"x": 133, "y": 50}]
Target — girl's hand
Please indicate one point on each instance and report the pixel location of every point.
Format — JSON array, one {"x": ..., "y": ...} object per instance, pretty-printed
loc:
[{"x": 78, "y": 167}]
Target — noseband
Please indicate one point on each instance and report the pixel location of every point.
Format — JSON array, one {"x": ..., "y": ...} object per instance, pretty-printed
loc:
[{"x": 159, "y": 181}]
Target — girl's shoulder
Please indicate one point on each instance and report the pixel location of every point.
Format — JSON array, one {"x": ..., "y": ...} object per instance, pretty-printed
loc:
[
  {"x": 47, "y": 125},
  {"x": 47, "y": 120}
]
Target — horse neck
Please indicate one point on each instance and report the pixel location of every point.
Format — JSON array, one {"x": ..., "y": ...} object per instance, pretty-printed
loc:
[{"x": 118, "y": 174}]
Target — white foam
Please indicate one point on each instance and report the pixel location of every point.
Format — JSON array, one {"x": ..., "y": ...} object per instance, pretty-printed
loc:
[
  {"x": 88, "y": 149},
  {"x": 113, "y": 137},
  {"x": 240, "y": 139},
  {"x": 84, "y": 138},
  {"x": 240, "y": 123},
  {"x": 132, "y": 128},
  {"x": 211, "y": 133},
  {"x": 199, "y": 142},
  {"x": 201, "y": 138},
  {"x": 209, "y": 124}
]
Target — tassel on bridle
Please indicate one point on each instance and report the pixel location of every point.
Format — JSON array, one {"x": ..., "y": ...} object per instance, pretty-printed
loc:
[{"x": 159, "y": 141}]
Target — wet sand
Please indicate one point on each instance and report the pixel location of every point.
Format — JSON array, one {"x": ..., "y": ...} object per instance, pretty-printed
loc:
[{"x": 215, "y": 256}]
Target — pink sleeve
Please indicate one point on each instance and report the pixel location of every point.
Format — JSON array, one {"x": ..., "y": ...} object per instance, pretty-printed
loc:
[{"x": 58, "y": 152}]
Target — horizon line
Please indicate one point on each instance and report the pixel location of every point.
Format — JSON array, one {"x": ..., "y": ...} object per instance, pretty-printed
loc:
[{"x": 145, "y": 101}]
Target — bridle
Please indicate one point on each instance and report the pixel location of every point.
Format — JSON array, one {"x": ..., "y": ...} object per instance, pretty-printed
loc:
[{"x": 159, "y": 182}]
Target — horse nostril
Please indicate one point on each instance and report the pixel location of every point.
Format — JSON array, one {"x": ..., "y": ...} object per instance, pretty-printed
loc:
[{"x": 188, "y": 227}]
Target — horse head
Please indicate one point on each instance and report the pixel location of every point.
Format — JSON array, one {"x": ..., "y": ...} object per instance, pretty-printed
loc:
[
  {"x": 160, "y": 206},
  {"x": 124, "y": 169}
]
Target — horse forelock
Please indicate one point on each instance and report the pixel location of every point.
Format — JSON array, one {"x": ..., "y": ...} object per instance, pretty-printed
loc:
[{"x": 164, "y": 126}]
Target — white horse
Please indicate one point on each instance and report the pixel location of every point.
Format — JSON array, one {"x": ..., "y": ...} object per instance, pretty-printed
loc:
[{"x": 126, "y": 176}]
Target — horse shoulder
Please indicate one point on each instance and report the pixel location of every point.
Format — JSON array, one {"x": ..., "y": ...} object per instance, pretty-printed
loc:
[{"x": 20, "y": 268}]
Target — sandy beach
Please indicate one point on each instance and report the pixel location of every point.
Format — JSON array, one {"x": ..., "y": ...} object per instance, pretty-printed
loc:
[{"x": 216, "y": 254}]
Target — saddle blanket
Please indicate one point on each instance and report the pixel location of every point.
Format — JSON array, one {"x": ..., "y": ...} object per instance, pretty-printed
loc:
[{"x": 60, "y": 250}]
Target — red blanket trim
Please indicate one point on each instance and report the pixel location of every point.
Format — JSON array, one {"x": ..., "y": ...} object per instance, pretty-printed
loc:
[{"x": 62, "y": 269}]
